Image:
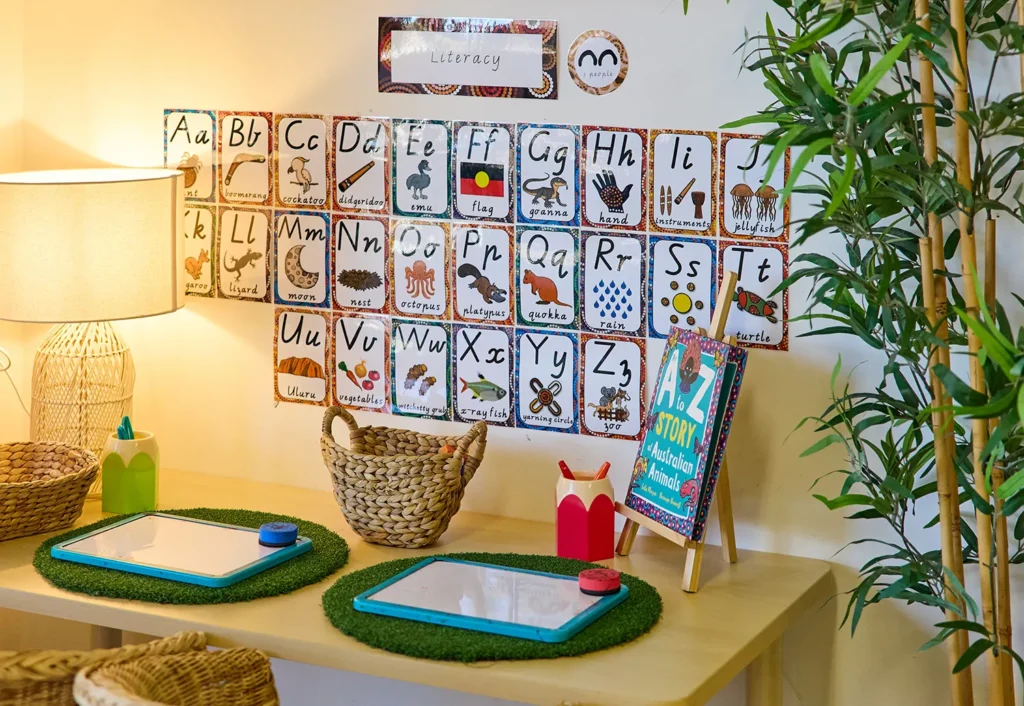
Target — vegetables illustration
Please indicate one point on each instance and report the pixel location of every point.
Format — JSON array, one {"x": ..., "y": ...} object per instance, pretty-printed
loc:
[
  {"x": 360, "y": 369},
  {"x": 351, "y": 376},
  {"x": 374, "y": 375},
  {"x": 367, "y": 385}
]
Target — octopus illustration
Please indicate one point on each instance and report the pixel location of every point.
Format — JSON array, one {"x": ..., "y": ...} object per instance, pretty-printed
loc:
[
  {"x": 742, "y": 196},
  {"x": 419, "y": 281},
  {"x": 766, "y": 198}
]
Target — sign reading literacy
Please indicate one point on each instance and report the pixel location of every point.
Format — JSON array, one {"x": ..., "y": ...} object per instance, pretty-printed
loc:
[
  {"x": 684, "y": 439},
  {"x": 468, "y": 57}
]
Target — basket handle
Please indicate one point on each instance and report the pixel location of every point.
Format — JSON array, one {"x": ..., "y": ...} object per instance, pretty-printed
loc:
[
  {"x": 477, "y": 435},
  {"x": 346, "y": 416}
]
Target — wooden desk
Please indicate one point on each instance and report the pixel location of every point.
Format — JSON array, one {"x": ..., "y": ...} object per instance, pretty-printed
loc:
[{"x": 702, "y": 642}]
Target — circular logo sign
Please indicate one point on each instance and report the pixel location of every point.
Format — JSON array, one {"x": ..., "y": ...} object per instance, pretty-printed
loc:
[{"x": 598, "y": 62}]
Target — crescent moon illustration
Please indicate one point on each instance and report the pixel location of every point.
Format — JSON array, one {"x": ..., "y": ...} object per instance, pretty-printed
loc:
[{"x": 293, "y": 270}]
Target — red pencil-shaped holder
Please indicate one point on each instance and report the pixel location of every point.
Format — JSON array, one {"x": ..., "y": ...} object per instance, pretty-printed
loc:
[{"x": 585, "y": 520}]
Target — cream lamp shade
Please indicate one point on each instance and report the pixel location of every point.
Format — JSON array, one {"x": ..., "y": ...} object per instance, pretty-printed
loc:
[{"x": 83, "y": 245}]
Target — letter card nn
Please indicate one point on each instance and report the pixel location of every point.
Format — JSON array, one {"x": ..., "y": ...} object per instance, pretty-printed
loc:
[{"x": 684, "y": 438}]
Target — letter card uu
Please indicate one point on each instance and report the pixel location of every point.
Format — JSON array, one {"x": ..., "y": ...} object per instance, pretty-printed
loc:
[{"x": 683, "y": 445}]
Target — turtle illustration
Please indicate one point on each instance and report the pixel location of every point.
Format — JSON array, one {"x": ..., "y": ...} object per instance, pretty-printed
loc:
[{"x": 755, "y": 305}]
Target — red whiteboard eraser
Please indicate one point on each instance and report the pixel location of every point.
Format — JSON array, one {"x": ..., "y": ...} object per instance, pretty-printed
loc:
[{"x": 600, "y": 582}]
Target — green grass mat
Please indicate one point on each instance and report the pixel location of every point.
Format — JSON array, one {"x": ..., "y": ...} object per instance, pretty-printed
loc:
[
  {"x": 622, "y": 624},
  {"x": 329, "y": 553}
]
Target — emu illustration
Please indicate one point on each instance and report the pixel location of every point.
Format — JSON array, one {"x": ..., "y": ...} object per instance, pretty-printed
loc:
[{"x": 416, "y": 183}]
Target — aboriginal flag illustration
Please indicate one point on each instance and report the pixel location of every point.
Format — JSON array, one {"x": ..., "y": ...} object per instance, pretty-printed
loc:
[{"x": 479, "y": 179}]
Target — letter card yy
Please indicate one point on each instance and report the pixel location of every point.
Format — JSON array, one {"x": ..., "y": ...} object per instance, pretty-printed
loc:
[{"x": 687, "y": 426}]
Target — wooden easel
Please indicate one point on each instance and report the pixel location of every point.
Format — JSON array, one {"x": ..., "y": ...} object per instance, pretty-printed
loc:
[{"x": 694, "y": 550}]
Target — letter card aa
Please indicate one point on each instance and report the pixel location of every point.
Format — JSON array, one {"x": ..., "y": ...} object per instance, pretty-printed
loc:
[
  {"x": 301, "y": 354},
  {"x": 361, "y": 345},
  {"x": 482, "y": 374},
  {"x": 482, "y": 175},
  {"x": 546, "y": 380},
  {"x": 612, "y": 386},
  {"x": 685, "y": 432},
  {"x": 419, "y": 368},
  {"x": 362, "y": 148},
  {"x": 190, "y": 141}
]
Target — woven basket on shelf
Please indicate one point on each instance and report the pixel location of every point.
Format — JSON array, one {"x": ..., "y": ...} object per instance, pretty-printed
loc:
[
  {"x": 394, "y": 486},
  {"x": 42, "y": 486},
  {"x": 46, "y": 677},
  {"x": 238, "y": 677}
]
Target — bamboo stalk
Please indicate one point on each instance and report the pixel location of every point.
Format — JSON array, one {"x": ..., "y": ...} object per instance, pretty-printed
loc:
[
  {"x": 1004, "y": 622},
  {"x": 933, "y": 290},
  {"x": 969, "y": 259}
]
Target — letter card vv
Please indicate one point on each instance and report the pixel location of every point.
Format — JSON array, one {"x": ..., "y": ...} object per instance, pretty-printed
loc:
[{"x": 687, "y": 426}]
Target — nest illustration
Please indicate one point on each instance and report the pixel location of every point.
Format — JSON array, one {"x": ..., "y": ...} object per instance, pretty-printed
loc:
[{"x": 360, "y": 280}]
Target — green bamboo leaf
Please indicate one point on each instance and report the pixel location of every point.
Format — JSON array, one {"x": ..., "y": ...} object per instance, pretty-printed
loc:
[
  {"x": 961, "y": 391},
  {"x": 822, "y": 74},
  {"x": 843, "y": 187},
  {"x": 996, "y": 351},
  {"x": 1011, "y": 486},
  {"x": 752, "y": 119},
  {"x": 845, "y": 500},
  {"x": 822, "y": 443},
  {"x": 779, "y": 150},
  {"x": 809, "y": 152},
  {"x": 815, "y": 34},
  {"x": 867, "y": 84},
  {"x": 835, "y": 373},
  {"x": 972, "y": 653}
]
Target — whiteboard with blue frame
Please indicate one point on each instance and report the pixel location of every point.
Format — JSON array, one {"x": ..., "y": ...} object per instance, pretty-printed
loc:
[
  {"x": 533, "y": 605},
  {"x": 180, "y": 549}
]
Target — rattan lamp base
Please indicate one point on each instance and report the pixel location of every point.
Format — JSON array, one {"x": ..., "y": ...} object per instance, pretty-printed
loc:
[{"x": 82, "y": 382}]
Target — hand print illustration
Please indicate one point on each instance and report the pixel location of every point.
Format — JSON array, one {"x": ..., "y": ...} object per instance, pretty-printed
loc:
[{"x": 608, "y": 189}]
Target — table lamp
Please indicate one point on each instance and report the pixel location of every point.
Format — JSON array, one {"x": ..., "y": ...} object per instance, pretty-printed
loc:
[{"x": 80, "y": 248}]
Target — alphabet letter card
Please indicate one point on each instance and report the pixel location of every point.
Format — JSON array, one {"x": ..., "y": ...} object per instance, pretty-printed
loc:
[
  {"x": 243, "y": 247},
  {"x": 546, "y": 276},
  {"x": 419, "y": 368},
  {"x": 684, "y": 188},
  {"x": 683, "y": 277},
  {"x": 613, "y": 283},
  {"x": 245, "y": 147},
  {"x": 303, "y": 143},
  {"x": 361, "y": 375},
  {"x": 614, "y": 379},
  {"x": 614, "y": 174},
  {"x": 302, "y": 253},
  {"x": 200, "y": 250},
  {"x": 750, "y": 205},
  {"x": 362, "y": 252},
  {"x": 362, "y": 150},
  {"x": 420, "y": 168},
  {"x": 482, "y": 266},
  {"x": 759, "y": 318},
  {"x": 189, "y": 143},
  {"x": 546, "y": 380},
  {"x": 684, "y": 437},
  {"x": 482, "y": 374},
  {"x": 419, "y": 257},
  {"x": 482, "y": 176},
  {"x": 548, "y": 163},
  {"x": 301, "y": 355}
]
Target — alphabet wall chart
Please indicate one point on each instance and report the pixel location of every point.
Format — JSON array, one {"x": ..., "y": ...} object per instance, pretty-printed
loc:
[{"x": 469, "y": 271}]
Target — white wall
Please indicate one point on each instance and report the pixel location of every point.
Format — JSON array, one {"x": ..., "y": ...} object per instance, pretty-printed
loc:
[{"x": 97, "y": 77}]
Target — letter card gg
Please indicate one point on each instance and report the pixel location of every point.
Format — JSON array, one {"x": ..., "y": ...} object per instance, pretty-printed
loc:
[{"x": 684, "y": 437}]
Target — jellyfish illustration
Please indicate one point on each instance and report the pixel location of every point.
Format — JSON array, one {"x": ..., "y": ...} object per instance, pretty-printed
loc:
[
  {"x": 766, "y": 198},
  {"x": 742, "y": 195}
]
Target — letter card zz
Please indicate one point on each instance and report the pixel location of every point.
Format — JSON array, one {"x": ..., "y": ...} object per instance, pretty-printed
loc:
[{"x": 687, "y": 426}]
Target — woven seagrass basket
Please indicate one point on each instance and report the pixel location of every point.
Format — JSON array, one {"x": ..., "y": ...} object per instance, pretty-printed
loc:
[
  {"x": 238, "y": 677},
  {"x": 395, "y": 486},
  {"x": 46, "y": 677},
  {"x": 42, "y": 486}
]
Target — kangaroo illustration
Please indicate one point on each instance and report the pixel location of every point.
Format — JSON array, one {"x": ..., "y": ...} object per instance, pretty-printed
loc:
[
  {"x": 545, "y": 289},
  {"x": 195, "y": 267},
  {"x": 549, "y": 193},
  {"x": 416, "y": 183}
]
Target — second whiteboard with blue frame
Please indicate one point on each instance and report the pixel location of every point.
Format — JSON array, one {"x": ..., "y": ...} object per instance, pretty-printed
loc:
[
  {"x": 181, "y": 549},
  {"x": 533, "y": 605}
]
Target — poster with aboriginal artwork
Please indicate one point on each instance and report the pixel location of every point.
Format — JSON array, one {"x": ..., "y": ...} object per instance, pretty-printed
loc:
[
  {"x": 301, "y": 356},
  {"x": 362, "y": 153},
  {"x": 419, "y": 368},
  {"x": 482, "y": 176},
  {"x": 759, "y": 316},
  {"x": 546, "y": 380},
  {"x": 303, "y": 161},
  {"x": 683, "y": 278},
  {"x": 361, "y": 256},
  {"x": 614, "y": 177},
  {"x": 468, "y": 56},
  {"x": 361, "y": 369},
  {"x": 482, "y": 273},
  {"x": 683, "y": 181},
  {"x": 749, "y": 203},
  {"x": 245, "y": 151},
  {"x": 190, "y": 142},
  {"x": 200, "y": 250},
  {"x": 612, "y": 386},
  {"x": 482, "y": 363}
]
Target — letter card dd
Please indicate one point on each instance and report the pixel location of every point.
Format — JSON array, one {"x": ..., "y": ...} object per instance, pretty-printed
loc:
[{"x": 685, "y": 433}]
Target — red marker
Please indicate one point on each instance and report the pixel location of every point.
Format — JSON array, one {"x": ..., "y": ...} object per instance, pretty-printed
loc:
[
  {"x": 566, "y": 473},
  {"x": 603, "y": 470}
]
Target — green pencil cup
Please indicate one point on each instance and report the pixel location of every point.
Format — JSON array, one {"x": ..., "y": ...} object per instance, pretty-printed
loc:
[{"x": 130, "y": 470}]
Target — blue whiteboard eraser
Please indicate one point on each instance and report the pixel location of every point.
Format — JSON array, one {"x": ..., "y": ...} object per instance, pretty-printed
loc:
[{"x": 278, "y": 534}]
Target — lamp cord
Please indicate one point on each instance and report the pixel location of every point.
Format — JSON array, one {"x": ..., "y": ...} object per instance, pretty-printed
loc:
[{"x": 5, "y": 367}]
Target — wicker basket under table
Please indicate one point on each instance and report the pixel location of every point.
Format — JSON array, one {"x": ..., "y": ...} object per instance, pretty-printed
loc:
[
  {"x": 394, "y": 486},
  {"x": 42, "y": 486}
]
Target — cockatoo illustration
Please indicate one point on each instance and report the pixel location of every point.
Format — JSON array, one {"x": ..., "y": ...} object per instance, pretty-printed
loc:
[{"x": 302, "y": 176}]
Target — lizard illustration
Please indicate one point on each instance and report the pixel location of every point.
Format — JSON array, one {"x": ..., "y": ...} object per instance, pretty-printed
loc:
[
  {"x": 249, "y": 258},
  {"x": 548, "y": 193}
]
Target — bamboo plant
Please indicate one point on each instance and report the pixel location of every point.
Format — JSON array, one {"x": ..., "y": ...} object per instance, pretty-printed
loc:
[{"x": 903, "y": 149}]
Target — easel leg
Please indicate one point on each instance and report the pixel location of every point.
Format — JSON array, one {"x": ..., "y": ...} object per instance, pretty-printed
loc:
[
  {"x": 629, "y": 531},
  {"x": 725, "y": 524},
  {"x": 105, "y": 638},
  {"x": 691, "y": 572},
  {"x": 764, "y": 677}
]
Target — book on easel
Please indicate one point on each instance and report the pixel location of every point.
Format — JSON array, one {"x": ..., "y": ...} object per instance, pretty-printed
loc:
[{"x": 681, "y": 459}]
